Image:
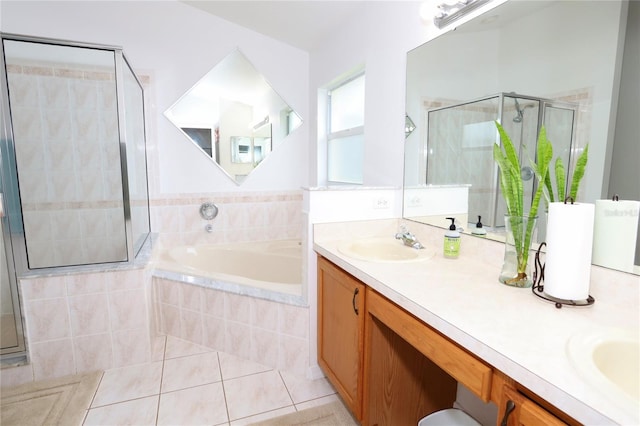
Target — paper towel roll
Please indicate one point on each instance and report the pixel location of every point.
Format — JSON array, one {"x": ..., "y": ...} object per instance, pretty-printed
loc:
[
  {"x": 615, "y": 230},
  {"x": 569, "y": 243}
]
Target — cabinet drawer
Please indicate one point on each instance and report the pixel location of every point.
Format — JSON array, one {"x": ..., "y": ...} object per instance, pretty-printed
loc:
[
  {"x": 517, "y": 410},
  {"x": 457, "y": 362}
]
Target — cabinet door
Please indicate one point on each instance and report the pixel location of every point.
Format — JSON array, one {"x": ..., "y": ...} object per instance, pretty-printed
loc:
[
  {"x": 341, "y": 301},
  {"x": 517, "y": 410}
]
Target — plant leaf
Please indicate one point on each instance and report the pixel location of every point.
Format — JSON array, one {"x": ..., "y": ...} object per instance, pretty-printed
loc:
[
  {"x": 505, "y": 177},
  {"x": 510, "y": 177},
  {"x": 544, "y": 154},
  {"x": 549, "y": 188},
  {"x": 578, "y": 172}
]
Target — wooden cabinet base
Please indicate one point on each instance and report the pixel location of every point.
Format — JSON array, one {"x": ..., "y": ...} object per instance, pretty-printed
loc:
[
  {"x": 402, "y": 385},
  {"x": 390, "y": 368}
]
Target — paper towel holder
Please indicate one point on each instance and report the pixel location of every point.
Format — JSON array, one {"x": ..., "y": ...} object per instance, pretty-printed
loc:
[{"x": 538, "y": 288}]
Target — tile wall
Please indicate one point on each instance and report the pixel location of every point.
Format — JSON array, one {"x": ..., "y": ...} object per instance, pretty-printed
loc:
[
  {"x": 270, "y": 333},
  {"x": 242, "y": 216},
  {"x": 84, "y": 322}
]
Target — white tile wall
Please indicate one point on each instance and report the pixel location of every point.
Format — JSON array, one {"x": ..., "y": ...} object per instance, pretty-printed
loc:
[
  {"x": 243, "y": 216},
  {"x": 86, "y": 322},
  {"x": 263, "y": 331}
]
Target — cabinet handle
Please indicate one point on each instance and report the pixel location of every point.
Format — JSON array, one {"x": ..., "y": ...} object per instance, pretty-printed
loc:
[
  {"x": 353, "y": 302},
  {"x": 510, "y": 407}
]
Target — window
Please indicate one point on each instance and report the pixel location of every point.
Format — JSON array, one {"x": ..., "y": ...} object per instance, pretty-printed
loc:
[{"x": 345, "y": 133}]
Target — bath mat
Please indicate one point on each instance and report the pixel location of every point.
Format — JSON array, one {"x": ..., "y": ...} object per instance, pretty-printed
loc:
[
  {"x": 334, "y": 414},
  {"x": 62, "y": 401}
]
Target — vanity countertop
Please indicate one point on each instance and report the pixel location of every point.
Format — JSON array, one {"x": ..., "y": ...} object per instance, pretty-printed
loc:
[{"x": 516, "y": 332}]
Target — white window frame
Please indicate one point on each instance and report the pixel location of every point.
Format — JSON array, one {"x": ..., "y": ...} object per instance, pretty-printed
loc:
[{"x": 354, "y": 131}]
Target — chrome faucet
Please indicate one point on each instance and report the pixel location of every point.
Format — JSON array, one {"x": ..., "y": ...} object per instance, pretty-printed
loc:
[{"x": 408, "y": 238}]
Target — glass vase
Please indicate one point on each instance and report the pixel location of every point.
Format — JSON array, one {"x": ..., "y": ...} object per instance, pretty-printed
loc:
[{"x": 516, "y": 268}]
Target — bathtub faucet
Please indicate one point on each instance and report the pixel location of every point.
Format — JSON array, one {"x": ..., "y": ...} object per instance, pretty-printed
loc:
[{"x": 408, "y": 238}]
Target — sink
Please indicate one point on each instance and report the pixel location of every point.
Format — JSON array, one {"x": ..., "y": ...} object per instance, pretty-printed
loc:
[
  {"x": 383, "y": 249},
  {"x": 610, "y": 361}
]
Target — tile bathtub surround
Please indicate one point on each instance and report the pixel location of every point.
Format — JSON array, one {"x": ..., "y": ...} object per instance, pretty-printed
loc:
[
  {"x": 263, "y": 331},
  {"x": 244, "y": 216},
  {"x": 192, "y": 384},
  {"x": 85, "y": 322}
]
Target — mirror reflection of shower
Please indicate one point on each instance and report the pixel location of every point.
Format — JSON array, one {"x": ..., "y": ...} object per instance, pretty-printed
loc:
[
  {"x": 527, "y": 172},
  {"x": 464, "y": 134}
]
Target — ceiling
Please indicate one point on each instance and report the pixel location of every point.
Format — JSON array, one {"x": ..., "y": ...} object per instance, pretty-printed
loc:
[{"x": 299, "y": 23}]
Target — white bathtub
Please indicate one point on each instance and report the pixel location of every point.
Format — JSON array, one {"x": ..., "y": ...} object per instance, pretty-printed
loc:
[{"x": 269, "y": 265}]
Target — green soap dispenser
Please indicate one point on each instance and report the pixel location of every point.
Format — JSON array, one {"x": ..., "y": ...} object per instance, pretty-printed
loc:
[
  {"x": 479, "y": 230},
  {"x": 452, "y": 240}
]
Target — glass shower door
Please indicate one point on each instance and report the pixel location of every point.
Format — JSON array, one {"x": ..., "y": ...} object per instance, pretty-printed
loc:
[{"x": 64, "y": 114}]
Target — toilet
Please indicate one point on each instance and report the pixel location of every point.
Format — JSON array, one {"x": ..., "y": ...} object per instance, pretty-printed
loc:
[{"x": 448, "y": 417}]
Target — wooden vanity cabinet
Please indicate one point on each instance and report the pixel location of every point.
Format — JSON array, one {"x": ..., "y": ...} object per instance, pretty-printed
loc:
[
  {"x": 391, "y": 368},
  {"x": 341, "y": 312}
]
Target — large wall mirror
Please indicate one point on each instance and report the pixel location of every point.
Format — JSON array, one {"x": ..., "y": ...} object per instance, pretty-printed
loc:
[
  {"x": 234, "y": 116},
  {"x": 561, "y": 64}
]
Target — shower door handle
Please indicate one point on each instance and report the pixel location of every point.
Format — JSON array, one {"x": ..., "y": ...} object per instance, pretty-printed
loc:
[{"x": 1, "y": 204}]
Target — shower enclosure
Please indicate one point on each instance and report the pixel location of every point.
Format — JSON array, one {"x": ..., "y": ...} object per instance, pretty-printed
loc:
[
  {"x": 460, "y": 145},
  {"x": 73, "y": 174}
]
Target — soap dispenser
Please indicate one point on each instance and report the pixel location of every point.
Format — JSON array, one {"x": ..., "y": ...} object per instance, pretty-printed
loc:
[
  {"x": 452, "y": 240},
  {"x": 479, "y": 230}
]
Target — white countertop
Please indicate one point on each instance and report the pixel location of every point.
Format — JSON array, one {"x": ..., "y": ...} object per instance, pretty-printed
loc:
[{"x": 511, "y": 329}]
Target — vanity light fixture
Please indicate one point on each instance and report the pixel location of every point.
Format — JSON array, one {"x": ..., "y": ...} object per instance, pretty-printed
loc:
[
  {"x": 264, "y": 122},
  {"x": 450, "y": 12}
]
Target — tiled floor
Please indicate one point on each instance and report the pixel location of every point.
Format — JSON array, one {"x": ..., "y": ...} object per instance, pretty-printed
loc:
[{"x": 193, "y": 385}]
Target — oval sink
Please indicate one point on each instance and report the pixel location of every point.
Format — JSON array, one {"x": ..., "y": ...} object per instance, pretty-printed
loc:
[
  {"x": 610, "y": 361},
  {"x": 381, "y": 249}
]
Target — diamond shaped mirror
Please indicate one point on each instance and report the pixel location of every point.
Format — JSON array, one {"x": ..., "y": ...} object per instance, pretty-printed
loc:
[{"x": 234, "y": 116}]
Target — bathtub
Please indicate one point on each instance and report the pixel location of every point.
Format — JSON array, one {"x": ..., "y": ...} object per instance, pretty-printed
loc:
[{"x": 264, "y": 269}]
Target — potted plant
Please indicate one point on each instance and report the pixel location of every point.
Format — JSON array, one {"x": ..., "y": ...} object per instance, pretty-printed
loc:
[{"x": 519, "y": 223}]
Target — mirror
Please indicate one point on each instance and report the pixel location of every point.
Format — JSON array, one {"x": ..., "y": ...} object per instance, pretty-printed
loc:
[
  {"x": 524, "y": 63},
  {"x": 234, "y": 116}
]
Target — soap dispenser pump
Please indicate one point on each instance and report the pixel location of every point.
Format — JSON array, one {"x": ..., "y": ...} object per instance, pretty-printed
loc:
[
  {"x": 479, "y": 230},
  {"x": 452, "y": 240}
]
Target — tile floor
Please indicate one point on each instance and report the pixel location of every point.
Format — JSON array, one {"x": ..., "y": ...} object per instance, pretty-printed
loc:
[{"x": 193, "y": 385}]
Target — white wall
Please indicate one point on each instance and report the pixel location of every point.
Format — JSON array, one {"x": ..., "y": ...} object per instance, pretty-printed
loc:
[
  {"x": 176, "y": 45},
  {"x": 379, "y": 40}
]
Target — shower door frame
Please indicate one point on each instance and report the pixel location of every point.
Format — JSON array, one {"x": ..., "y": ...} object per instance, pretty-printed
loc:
[{"x": 8, "y": 204}]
